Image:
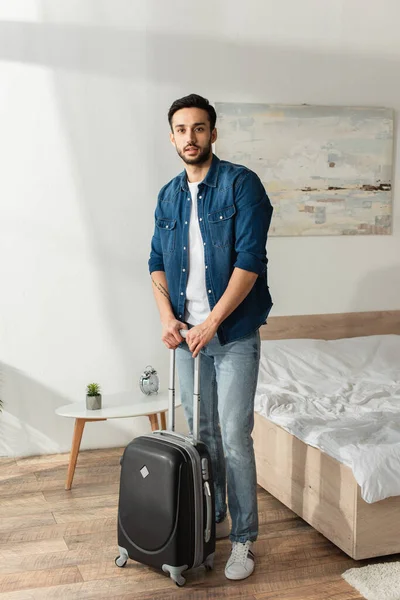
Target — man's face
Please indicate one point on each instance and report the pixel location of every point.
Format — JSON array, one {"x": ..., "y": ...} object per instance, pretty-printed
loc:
[{"x": 191, "y": 135}]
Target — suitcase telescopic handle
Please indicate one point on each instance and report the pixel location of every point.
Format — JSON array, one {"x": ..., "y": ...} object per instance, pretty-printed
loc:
[{"x": 196, "y": 393}]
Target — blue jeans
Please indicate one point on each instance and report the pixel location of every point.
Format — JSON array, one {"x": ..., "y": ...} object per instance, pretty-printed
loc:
[{"x": 228, "y": 380}]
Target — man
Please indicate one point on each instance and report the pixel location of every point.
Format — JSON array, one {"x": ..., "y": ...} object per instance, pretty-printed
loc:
[{"x": 209, "y": 270}]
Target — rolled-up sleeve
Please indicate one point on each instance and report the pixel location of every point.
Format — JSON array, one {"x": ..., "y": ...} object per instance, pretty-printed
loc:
[
  {"x": 253, "y": 218},
  {"x": 156, "y": 262}
]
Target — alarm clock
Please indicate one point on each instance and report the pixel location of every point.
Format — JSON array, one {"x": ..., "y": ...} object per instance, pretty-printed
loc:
[{"x": 149, "y": 382}]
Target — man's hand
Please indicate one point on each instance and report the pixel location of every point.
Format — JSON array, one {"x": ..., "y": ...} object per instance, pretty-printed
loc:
[
  {"x": 199, "y": 336},
  {"x": 170, "y": 333}
]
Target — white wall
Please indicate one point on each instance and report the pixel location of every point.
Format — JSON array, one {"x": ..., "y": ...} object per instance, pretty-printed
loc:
[{"x": 84, "y": 91}]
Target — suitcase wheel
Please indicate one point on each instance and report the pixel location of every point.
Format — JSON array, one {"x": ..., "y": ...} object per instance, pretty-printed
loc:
[
  {"x": 209, "y": 562},
  {"x": 176, "y": 574},
  {"x": 120, "y": 561}
]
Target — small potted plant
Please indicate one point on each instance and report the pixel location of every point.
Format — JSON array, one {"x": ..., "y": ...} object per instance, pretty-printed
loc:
[{"x": 93, "y": 396}]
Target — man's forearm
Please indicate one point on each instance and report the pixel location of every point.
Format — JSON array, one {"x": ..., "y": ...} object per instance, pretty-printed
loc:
[
  {"x": 239, "y": 286},
  {"x": 161, "y": 294}
]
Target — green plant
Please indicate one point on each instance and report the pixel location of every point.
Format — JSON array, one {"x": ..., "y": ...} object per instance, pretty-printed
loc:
[{"x": 93, "y": 389}]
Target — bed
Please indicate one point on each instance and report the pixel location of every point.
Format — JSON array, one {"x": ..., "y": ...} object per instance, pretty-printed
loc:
[{"x": 327, "y": 425}]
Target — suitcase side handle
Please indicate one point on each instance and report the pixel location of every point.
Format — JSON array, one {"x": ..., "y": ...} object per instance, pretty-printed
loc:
[
  {"x": 196, "y": 393},
  {"x": 207, "y": 493}
]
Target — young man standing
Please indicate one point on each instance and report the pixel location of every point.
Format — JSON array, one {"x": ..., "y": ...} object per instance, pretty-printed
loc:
[{"x": 208, "y": 265}]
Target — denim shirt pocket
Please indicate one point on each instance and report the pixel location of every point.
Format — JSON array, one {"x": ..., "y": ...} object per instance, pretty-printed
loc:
[
  {"x": 167, "y": 228},
  {"x": 221, "y": 226}
]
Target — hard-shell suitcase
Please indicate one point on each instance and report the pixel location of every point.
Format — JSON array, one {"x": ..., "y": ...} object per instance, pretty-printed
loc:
[{"x": 166, "y": 512}]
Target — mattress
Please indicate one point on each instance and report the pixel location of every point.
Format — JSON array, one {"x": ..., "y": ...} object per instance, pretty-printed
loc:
[{"x": 341, "y": 396}]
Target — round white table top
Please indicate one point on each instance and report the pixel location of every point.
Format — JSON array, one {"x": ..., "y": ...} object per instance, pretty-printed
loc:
[{"x": 116, "y": 406}]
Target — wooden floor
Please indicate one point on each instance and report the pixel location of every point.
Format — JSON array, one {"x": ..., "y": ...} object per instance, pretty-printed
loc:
[{"x": 59, "y": 544}]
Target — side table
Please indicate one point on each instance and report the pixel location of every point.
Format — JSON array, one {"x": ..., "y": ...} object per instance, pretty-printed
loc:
[{"x": 116, "y": 406}]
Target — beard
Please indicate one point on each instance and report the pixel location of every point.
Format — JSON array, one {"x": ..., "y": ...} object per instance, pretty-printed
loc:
[{"x": 201, "y": 158}]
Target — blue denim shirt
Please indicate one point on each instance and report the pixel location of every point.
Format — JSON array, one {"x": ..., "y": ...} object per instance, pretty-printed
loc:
[{"x": 234, "y": 215}]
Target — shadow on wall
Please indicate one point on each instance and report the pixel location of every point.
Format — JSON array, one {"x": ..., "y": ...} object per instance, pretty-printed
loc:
[
  {"x": 387, "y": 280},
  {"x": 28, "y": 420},
  {"x": 147, "y": 56},
  {"x": 29, "y": 425}
]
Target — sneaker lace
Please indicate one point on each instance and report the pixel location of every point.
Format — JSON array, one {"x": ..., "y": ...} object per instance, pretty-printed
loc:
[{"x": 240, "y": 551}]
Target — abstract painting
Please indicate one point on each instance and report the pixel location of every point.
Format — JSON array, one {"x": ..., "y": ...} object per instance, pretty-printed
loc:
[{"x": 327, "y": 170}]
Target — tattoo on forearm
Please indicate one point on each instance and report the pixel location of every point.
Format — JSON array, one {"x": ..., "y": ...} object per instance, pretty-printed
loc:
[
  {"x": 161, "y": 289},
  {"x": 164, "y": 290}
]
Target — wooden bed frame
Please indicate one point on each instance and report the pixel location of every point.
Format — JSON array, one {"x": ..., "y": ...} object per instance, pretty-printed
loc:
[{"x": 315, "y": 486}]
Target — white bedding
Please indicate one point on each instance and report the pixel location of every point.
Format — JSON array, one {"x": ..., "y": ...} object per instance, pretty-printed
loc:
[{"x": 342, "y": 396}]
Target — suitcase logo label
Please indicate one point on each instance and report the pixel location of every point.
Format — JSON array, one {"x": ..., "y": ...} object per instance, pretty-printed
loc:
[{"x": 144, "y": 472}]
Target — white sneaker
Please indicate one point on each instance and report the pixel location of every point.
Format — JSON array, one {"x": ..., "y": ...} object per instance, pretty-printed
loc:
[
  {"x": 222, "y": 529},
  {"x": 241, "y": 561}
]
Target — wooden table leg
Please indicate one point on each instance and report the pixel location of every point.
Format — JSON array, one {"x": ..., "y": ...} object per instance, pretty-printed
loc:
[
  {"x": 163, "y": 420},
  {"x": 76, "y": 443},
  {"x": 154, "y": 422}
]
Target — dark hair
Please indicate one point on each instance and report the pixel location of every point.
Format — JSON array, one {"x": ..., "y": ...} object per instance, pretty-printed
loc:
[{"x": 193, "y": 101}]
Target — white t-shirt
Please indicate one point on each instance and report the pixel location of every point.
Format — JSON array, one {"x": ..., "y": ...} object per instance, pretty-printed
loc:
[{"x": 197, "y": 307}]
